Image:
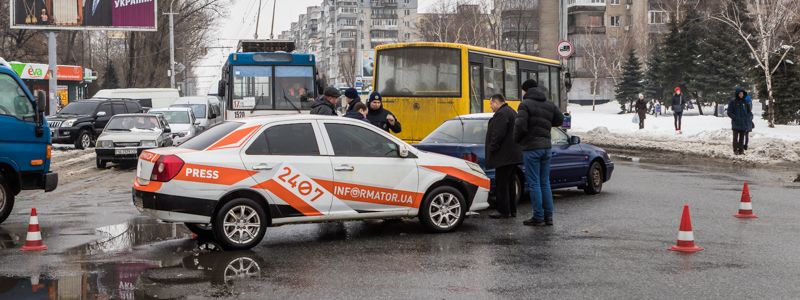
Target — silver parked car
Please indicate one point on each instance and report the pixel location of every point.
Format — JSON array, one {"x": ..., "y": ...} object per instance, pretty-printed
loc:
[
  {"x": 181, "y": 120},
  {"x": 127, "y": 135}
]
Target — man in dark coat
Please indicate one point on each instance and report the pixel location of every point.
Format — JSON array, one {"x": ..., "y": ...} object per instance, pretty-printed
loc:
[
  {"x": 678, "y": 103},
  {"x": 641, "y": 110},
  {"x": 503, "y": 155},
  {"x": 359, "y": 112},
  {"x": 326, "y": 105},
  {"x": 535, "y": 118},
  {"x": 381, "y": 117},
  {"x": 741, "y": 119},
  {"x": 352, "y": 98},
  {"x": 97, "y": 13}
]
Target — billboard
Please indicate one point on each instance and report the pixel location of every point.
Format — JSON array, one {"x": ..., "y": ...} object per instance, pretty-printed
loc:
[
  {"x": 367, "y": 63},
  {"x": 130, "y": 15}
]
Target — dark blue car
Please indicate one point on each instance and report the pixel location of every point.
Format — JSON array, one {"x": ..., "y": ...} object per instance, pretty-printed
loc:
[{"x": 574, "y": 164}]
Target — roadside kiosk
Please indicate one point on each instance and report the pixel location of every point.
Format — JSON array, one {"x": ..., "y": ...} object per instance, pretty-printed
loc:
[{"x": 73, "y": 81}]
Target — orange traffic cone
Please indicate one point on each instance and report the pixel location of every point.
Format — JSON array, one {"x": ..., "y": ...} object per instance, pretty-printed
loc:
[
  {"x": 745, "y": 207},
  {"x": 685, "y": 234},
  {"x": 34, "y": 240}
]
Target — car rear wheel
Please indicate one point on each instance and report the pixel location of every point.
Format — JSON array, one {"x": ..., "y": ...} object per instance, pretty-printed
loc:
[
  {"x": 239, "y": 224},
  {"x": 83, "y": 140},
  {"x": 6, "y": 199},
  {"x": 203, "y": 231},
  {"x": 519, "y": 189},
  {"x": 101, "y": 164},
  {"x": 443, "y": 210},
  {"x": 594, "y": 180}
]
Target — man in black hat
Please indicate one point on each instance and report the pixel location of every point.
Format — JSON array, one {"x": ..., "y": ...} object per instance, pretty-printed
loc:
[
  {"x": 352, "y": 99},
  {"x": 535, "y": 118},
  {"x": 326, "y": 105}
]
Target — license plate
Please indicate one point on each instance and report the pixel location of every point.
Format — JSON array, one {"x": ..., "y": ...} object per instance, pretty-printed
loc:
[{"x": 125, "y": 151}]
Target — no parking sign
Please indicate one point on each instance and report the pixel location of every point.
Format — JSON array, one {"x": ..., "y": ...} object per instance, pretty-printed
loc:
[{"x": 565, "y": 49}]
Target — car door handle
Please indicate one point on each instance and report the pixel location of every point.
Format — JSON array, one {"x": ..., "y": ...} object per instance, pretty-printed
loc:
[
  {"x": 344, "y": 168},
  {"x": 262, "y": 167}
]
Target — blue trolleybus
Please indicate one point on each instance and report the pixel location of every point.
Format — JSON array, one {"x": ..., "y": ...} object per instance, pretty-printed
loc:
[{"x": 265, "y": 77}]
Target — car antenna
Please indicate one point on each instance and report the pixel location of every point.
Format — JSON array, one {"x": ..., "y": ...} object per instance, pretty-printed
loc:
[{"x": 458, "y": 116}]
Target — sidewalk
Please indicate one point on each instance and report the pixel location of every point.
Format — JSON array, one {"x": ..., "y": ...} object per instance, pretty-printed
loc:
[{"x": 702, "y": 135}]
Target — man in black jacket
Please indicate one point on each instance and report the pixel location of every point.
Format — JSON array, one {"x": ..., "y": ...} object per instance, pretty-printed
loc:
[
  {"x": 381, "y": 117},
  {"x": 326, "y": 105},
  {"x": 97, "y": 13},
  {"x": 503, "y": 155},
  {"x": 535, "y": 118}
]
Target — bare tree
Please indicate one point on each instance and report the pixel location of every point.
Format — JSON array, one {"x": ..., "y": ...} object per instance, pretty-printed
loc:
[
  {"x": 457, "y": 22},
  {"x": 347, "y": 67},
  {"x": 593, "y": 59},
  {"x": 771, "y": 35}
]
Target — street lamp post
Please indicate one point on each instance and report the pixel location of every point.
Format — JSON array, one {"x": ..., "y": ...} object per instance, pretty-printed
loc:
[{"x": 171, "y": 46}]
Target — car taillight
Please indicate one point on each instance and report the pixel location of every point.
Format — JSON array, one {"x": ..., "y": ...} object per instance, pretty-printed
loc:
[
  {"x": 470, "y": 157},
  {"x": 166, "y": 168}
]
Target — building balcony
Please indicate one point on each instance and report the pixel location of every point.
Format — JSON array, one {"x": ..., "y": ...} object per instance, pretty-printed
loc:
[
  {"x": 586, "y": 30},
  {"x": 572, "y": 3}
]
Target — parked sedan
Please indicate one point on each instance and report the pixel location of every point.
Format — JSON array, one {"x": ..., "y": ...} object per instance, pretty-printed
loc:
[
  {"x": 573, "y": 164},
  {"x": 181, "y": 120},
  {"x": 126, "y": 136}
]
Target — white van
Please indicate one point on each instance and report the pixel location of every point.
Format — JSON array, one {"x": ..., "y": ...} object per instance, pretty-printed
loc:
[
  {"x": 149, "y": 97},
  {"x": 206, "y": 109}
]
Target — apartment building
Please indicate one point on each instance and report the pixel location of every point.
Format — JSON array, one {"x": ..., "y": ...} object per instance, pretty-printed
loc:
[
  {"x": 529, "y": 26},
  {"x": 343, "y": 35},
  {"x": 604, "y": 30}
]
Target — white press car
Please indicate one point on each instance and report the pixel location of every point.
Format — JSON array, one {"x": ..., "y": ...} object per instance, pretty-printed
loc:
[{"x": 234, "y": 180}]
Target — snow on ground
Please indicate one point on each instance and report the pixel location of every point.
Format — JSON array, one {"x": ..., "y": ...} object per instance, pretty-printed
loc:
[{"x": 702, "y": 135}]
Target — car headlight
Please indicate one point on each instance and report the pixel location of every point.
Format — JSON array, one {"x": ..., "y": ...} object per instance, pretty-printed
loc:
[
  {"x": 475, "y": 167},
  {"x": 68, "y": 123},
  {"x": 149, "y": 143},
  {"x": 105, "y": 144}
]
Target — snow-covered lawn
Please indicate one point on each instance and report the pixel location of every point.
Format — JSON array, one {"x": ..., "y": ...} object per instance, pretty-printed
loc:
[{"x": 704, "y": 135}]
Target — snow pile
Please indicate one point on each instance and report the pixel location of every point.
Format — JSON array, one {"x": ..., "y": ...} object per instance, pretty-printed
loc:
[{"x": 702, "y": 135}]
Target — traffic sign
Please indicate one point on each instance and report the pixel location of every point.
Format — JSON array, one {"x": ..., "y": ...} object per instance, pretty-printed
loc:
[{"x": 565, "y": 49}]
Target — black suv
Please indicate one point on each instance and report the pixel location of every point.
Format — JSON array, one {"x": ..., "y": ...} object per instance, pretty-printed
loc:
[{"x": 82, "y": 122}]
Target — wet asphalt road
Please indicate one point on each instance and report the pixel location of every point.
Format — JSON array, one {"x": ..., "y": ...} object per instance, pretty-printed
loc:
[{"x": 612, "y": 245}]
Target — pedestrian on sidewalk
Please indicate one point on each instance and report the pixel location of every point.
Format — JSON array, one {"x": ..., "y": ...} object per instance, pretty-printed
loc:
[
  {"x": 678, "y": 104},
  {"x": 658, "y": 108},
  {"x": 641, "y": 109},
  {"x": 741, "y": 119},
  {"x": 749, "y": 101},
  {"x": 503, "y": 155},
  {"x": 535, "y": 118}
]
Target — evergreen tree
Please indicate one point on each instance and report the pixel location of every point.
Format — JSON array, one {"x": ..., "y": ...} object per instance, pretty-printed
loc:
[
  {"x": 110, "y": 81},
  {"x": 723, "y": 66},
  {"x": 673, "y": 63},
  {"x": 630, "y": 86},
  {"x": 654, "y": 76},
  {"x": 785, "y": 87}
]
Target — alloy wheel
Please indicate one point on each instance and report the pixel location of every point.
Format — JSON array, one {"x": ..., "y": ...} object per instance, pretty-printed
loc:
[
  {"x": 241, "y": 224},
  {"x": 445, "y": 210},
  {"x": 85, "y": 141}
]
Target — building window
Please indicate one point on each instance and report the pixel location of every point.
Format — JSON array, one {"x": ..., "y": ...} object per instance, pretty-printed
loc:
[
  {"x": 595, "y": 21},
  {"x": 408, "y": 12},
  {"x": 615, "y": 21},
  {"x": 614, "y": 2},
  {"x": 658, "y": 17},
  {"x": 408, "y": 36}
]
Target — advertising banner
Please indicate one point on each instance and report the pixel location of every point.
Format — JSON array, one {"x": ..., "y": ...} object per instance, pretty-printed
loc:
[
  {"x": 128, "y": 15},
  {"x": 367, "y": 63},
  {"x": 40, "y": 71}
]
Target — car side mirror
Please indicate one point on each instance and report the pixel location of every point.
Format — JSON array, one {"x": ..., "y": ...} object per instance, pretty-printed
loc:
[
  {"x": 196, "y": 122},
  {"x": 167, "y": 130},
  {"x": 221, "y": 88},
  {"x": 402, "y": 151},
  {"x": 574, "y": 140},
  {"x": 41, "y": 101},
  {"x": 101, "y": 114}
]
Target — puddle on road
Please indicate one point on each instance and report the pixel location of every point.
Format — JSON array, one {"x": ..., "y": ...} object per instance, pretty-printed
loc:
[
  {"x": 136, "y": 232},
  {"x": 207, "y": 273}
]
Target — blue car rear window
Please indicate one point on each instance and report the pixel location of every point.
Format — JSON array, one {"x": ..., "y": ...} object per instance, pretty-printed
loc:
[{"x": 451, "y": 131}]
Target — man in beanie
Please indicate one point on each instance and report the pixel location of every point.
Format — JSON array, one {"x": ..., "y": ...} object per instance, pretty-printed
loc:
[
  {"x": 352, "y": 98},
  {"x": 380, "y": 116},
  {"x": 326, "y": 105},
  {"x": 641, "y": 110},
  {"x": 535, "y": 118}
]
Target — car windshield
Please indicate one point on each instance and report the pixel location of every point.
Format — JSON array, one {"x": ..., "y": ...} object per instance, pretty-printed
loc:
[
  {"x": 79, "y": 108},
  {"x": 175, "y": 117},
  {"x": 198, "y": 109},
  {"x": 451, "y": 131},
  {"x": 133, "y": 123}
]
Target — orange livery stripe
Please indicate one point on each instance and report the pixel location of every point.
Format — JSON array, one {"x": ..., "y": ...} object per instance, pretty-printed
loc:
[{"x": 463, "y": 175}]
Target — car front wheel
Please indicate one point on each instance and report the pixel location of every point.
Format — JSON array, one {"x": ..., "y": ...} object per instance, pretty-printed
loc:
[
  {"x": 101, "y": 164},
  {"x": 84, "y": 139},
  {"x": 240, "y": 224},
  {"x": 594, "y": 180},
  {"x": 6, "y": 199},
  {"x": 443, "y": 210}
]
